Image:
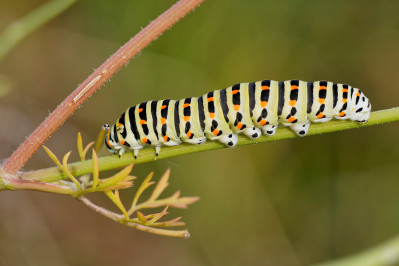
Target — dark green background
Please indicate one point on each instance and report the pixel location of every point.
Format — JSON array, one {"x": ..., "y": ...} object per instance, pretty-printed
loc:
[{"x": 292, "y": 202}]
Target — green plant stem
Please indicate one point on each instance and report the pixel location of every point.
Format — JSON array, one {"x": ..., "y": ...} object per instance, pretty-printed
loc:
[
  {"x": 146, "y": 155},
  {"x": 20, "y": 29},
  {"x": 386, "y": 253},
  {"x": 8, "y": 182}
]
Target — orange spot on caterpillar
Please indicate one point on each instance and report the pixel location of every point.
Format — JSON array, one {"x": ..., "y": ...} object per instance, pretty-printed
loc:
[
  {"x": 165, "y": 138},
  {"x": 262, "y": 103},
  {"x": 120, "y": 125},
  {"x": 342, "y": 113},
  {"x": 322, "y": 100},
  {"x": 122, "y": 141},
  {"x": 163, "y": 107},
  {"x": 344, "y": 100},
  {"x": 186, "y": 118},
  {"x": 239, "y": 125},
  {"x": 211, "y": 99},
  {"x": 265, "y": 88},
  {"x": 143, "y": 122},
  {"x": 235, "y": 91},
  {"x": 109, "y": 143},
  {"x": 189, "y": 134},
  {"x": 212, "y": 115},
  {"x": 236, "y": 107},
  {"x": 291, "y": 119},
  {"x": 140, "y": 110},
  {"x": 358, "y": 94},
  {"x": 215, "y": 132},
  {"x": 262, "y": 122},
  {"x": 294, "y": 87},
  {"x": 321, "y": 115},
  {"x": 322, "y": 88},
  {"x": 292, "y": 102},
  {"x": 186, "y": 105},
  {"x": 163, "y": 121},
  {"x": 344, "y": 90},
  {"x": 145, "y": 140}
]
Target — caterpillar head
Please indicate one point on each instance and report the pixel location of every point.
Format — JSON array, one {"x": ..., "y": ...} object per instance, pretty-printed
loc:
[
  {"x": 113, "y": 139},
  {"x": 361, "y": 108}
]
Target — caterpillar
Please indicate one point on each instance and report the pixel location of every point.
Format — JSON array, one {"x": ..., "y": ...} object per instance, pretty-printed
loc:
[{"x": 248, "y": 108}]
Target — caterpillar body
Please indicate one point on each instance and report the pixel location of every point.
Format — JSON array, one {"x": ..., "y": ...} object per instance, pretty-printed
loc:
[{"x": 248, "y": 108}]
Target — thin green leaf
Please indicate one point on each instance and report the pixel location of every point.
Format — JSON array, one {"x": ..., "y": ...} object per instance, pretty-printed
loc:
[
  {"x": 183, "y": 202},
  {"x": 161, "y": 186},
  {"x": 127, "y": 179},
  {"x": 164, "y": 232},
  {"x": 146, "y": 183},
  {"x": 119, "y": 185},
  {"x": 159, "y": 215},
  {"x": 65, "y": 159},
  {"x": 80, "y": 147},
  {"x": 95, "y": 169},
  {"x": 130, "y": 177},
  {"x": 52, "y": 157},
  {"x": 116, "y": 178},
  {"x": 177, "y": 202},
  {"x": 141, "y": 217},
  {"x": 117, "y": 201},
  {"x": 172, "y": 201},
  {"x": 172, "y": 223},
  {"x": 87, "y": 148},
  {"x": 99, "y": 141},
  {"x": 69, "y": 174}
]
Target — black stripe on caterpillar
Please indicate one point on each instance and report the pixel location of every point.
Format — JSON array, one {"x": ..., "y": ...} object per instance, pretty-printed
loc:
[{"x": 248, "y": 108}]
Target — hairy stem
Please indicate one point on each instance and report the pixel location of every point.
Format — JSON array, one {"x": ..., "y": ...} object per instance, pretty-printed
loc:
[
  {"x": 20, "y": 29},
  {"x": 146, "y": 155},
  {"x": 18, "y": 159}
]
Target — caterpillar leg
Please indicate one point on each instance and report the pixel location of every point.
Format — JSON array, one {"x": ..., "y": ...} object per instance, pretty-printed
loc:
[
  {"x": 121, "y": 151},
  {"x": 171, "y": 143},
  {"x": 201, "y": 140},
  {"x": 157, "y": 150},
  {"x": 301, "y": 129},
  {"x": 195, "y": 140},
  {"x": 269, "y": 130},
  {"x": 136, "y": 152},
  {"x": 252, "y": 132},
  {"x": 229, "y": 140}
]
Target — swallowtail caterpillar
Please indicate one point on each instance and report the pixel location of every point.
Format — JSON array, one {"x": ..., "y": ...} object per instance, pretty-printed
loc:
[{"x": 249, "y": 108}]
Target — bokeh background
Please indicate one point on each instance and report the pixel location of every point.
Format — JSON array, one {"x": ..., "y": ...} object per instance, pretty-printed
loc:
[{"x": 291, "y": 202}]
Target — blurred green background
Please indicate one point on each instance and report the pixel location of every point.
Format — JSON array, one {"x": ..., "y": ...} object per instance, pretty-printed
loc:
[{"x": 292, "y": 202}]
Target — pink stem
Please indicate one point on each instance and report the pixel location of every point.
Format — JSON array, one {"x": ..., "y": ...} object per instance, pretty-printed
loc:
[{"x": 18, "y": 159}]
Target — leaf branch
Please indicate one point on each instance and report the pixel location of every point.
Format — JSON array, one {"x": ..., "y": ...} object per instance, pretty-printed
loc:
[
  {"x": 119, "y": 218},
  {"x": 78, "y": 187}
]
